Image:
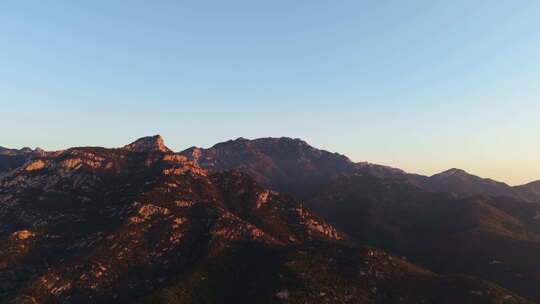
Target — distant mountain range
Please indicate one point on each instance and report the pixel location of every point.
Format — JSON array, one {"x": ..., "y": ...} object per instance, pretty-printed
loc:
[{"x": 142, "y": 224}]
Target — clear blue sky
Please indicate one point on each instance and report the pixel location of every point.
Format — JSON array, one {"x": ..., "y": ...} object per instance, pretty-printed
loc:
[{"x": 420, "y": 85}]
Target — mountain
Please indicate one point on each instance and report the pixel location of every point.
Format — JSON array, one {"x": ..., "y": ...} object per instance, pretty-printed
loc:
[
  {"x": 284, "y": 164},
  {"x": 141, "y": 224},
  {"x": 287, "y": 165},
  {"x": 148, "y": 144},
  {"x": 452, "y": 222},
  {"x": 13, "y": 158},
  {"x": 460, "y": 182},
  {"x": 293, "y": 166}
]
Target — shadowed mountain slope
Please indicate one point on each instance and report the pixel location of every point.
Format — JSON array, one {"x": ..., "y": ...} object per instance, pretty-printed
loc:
[
  {"x": 494, "y": 238},
  {"x": 431, "y": 220}
]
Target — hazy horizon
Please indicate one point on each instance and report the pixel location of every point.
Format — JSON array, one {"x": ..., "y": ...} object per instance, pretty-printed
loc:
[{"x": 423, "y": 86}]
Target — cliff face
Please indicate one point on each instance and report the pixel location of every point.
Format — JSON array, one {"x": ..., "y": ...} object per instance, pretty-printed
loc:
[{"x": 148, "y": 144}]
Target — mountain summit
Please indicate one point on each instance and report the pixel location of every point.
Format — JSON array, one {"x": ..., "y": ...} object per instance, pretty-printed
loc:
[
  {"x": 460, "y": 182},
  {"x": 285, "y": 164},
  {"x": 450, "y": 172},
  {"x": 148, "y": 144}
]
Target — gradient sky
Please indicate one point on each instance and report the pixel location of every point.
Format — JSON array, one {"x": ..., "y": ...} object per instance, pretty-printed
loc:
[{"x": 419, "y": 85}]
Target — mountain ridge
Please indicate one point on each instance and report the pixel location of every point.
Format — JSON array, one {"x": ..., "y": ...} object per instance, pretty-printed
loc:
[
  {"x": 10, "y": 151},
  {"x": 462, "y": 183}
]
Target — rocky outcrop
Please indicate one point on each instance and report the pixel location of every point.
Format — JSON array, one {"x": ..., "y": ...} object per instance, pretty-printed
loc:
[{"x": 148, "y": 144}]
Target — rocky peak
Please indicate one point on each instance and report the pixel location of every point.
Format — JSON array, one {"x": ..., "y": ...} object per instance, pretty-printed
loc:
[
  {"x": 265, "y": 141},
  {"x": 461, "y": 182},
  {"x": 26, "y": 151},
  {"x": 450, "y": 172},
  {"x": 282, "y": 141},
  {"x": 148, "y": 144}
]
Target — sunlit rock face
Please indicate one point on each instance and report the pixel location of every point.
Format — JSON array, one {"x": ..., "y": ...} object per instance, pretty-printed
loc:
[{"x": 148, "y": 144}]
